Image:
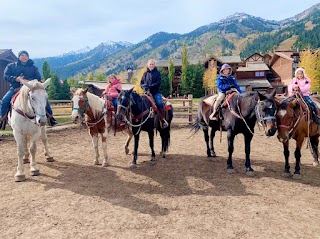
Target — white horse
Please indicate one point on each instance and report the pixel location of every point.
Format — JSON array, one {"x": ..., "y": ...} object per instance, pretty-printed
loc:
[{"x": 28, "y": 120}]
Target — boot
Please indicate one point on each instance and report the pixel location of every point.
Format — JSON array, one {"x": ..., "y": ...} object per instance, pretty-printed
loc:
[
  {"x": 52, "y": 122},
  {"x": 163, "y": 123},
  {"x": 213, "y": 115}
]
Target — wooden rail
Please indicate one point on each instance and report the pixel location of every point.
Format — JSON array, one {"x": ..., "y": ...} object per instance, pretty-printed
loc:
[{"x": 182, "y": 109}]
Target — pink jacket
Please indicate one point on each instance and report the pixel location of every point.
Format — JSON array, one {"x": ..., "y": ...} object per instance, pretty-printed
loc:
[
  {"x": 304, "y": 85},
  {"x": 112, "y": 90}
]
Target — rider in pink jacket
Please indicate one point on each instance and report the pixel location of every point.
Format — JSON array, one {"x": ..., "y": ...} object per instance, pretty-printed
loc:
[
  {"x": 302, "y": 83},
  {"x": 111, "y": 89}
]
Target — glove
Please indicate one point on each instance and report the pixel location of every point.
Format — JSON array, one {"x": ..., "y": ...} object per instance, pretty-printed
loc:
[{"x": 146, "y": 88}]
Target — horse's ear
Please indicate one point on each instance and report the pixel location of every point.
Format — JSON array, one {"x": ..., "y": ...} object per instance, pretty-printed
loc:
[
  {"x": 24, "y": 82},
  {"x": 118, "y": 91},
  {"x": 72, "y": 90},
  {"x": 85, "y": 91},
  {"x": 261, "y": 96},
  {"x": 294, "y": 102},
  {"x": 273, "y": 93},
  {"x": 130, "y": 91},
  {"x": 46, "y": 83},
  {"x": 277, "y": 101}
]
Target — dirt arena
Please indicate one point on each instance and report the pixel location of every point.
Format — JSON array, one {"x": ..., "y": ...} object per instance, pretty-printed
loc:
[{"x": 183, "y": 196}]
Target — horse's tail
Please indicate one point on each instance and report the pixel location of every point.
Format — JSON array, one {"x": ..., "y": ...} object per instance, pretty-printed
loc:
[{"x": 199, "y": 123}]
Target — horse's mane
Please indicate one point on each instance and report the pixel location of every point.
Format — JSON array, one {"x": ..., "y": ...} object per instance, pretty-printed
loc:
[
  {"x": 24, "y": 92},
  {"x": 96, "y": 104}
]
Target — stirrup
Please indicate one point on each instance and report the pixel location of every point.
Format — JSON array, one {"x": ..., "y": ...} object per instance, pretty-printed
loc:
[{"x": 164, "y": 124}]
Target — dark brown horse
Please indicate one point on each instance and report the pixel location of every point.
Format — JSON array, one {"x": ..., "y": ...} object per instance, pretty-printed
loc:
[
  {"x": 239, "y": 117},
  {"x": 294, "y": 122},
  {"x": 91, "y": 109}
]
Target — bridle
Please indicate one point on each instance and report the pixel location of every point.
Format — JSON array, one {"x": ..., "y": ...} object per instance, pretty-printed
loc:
[
  {"x": 293, "y": 123},
  {"x": 263, "y": 119}
]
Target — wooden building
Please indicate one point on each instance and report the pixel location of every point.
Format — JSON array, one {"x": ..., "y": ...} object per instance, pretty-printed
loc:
[
  {"x": 6, "y": 57},
  {"x": 283, "y": 64}
]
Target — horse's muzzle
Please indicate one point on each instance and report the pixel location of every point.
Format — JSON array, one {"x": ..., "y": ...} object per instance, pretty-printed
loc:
[{"x": 271, "y": 132}]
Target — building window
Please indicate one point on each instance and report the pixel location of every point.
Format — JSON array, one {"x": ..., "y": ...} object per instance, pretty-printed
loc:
[{"x": 259, "y": 73}]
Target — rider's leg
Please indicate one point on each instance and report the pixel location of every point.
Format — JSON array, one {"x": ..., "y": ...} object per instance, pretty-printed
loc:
[
  {"x": 315, "y": 109},
  {"x": 158, "y": 98},
  {"x": 52, "y": 120},
  {"x": 216, "y": 105}
]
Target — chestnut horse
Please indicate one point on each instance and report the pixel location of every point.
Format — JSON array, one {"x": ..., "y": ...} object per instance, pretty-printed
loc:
[
  {"x": 92, "y": 110},
  {"x": 294, "y": 121},
  {"x": 239, "y": 117}
]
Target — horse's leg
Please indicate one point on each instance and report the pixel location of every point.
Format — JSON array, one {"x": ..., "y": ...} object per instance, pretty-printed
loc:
[
  {"x": 247, "y": 148},
  {"x": 126, "y": 146},
  {"x": 286, "y": 154},
  {"x": 34, "y": 170},
  {"x": 297, "y": 155},
  {"x": 44, "y": 140},
  {"x": 104, "y": 137},
  {"x": 212, "y": 134},
  {"x": 21, "y": 142},
  {"x": 314, "y": 140},
  {"x": 26, "y": 152},
  {"x": 135, "y": 150},
  {"x": 165, "y": 141},
  {"x": 206, "y": 138},
  {"x": 231, "y": 135},
  {"x": 94, "y": 138},
  {"x": 151, "y": 143}
]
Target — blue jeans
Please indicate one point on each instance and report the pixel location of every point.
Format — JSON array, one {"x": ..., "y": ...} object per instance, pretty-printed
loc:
[
  {"x": 115, "y": 103},
  {"x": 7, "y": 99},
  {"x": 158, "y": 98},
  {"x": 315, "y": 108}
]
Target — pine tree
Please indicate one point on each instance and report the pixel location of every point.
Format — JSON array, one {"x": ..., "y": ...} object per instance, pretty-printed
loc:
[
  {"x": 64, "y": 91},
  {"x": 171, "y": 70},
  {"x": 165, "y": 82},
  {"x": 46, "y": 70},
  {"x": 197, "y": 81},
  {"x": 54, "y": 87},
  {"x": 184, "y": 68}
]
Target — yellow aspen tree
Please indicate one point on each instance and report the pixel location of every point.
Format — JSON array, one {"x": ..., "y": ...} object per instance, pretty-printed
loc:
[
  {"x": 89, "y": 77},
  {"x": 209, "y": 79},
  {"x": 140, "y": 73},
  {"x": 308, "y": 61}
]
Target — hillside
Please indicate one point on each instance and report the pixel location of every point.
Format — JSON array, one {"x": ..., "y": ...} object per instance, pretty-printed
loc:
[{"x": 239, "y": 33}]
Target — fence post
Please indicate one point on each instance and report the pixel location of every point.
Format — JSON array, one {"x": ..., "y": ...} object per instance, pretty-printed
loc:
[{"x": 190, "y": 98}]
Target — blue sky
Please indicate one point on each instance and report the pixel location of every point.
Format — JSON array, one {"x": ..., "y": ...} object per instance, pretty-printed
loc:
[{"x": 53, "y": 27}]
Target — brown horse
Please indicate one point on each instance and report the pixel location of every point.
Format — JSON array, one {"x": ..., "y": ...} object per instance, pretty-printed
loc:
[
  {"x": 294, "y": 122},
  {"x": 91, "y": 109}
]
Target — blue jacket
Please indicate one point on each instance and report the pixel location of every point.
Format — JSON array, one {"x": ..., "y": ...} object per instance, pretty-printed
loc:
[
  {"x": 13, "y": 70},
  {"x": 224, "y": 83},
  {"x": 151, "y": 80}
]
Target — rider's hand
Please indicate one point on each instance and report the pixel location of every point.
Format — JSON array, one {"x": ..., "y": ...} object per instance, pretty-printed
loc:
[
  {"x": 19, "y": 78},
  {"x": 296, "y": 88}
]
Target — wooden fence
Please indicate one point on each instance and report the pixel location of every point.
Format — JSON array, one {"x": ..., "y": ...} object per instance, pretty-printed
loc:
[{"x": 184, "y": 109}]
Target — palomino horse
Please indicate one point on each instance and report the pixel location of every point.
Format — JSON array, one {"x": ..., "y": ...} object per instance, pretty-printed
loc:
[
  {"x": 294, "y": 122},
  {"x": 239, "y": 117},
  {"x": 92, "y": 109},
  {"x": 138, "y": 112},
  {"x": 28, "y": 119}
]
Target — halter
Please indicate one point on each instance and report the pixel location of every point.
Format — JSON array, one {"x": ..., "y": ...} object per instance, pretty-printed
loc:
[
  {"x": 262, "y": 120},
  {"x": 293, "y": 123},
  {"x": 82, "y": 111}
]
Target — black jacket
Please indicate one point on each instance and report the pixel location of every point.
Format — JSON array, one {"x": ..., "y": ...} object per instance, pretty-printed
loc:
[
  {"x": 13, "y": 70},
  {"x": 151, "y": 80}
]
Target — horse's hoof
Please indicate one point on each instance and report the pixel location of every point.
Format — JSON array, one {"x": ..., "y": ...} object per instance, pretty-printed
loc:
[
  {"x": 20, "y": 178},
  {"x": 105, "y": 165},
  {"x": 50, "y": 159},
  {"x": 35, "y": 172},
  {"x": 133, "y": 165},
  {"x": 231, "y": 170},
  {"x": 26, "y": 160},
  {"x": 251, "y": 173},
  {"x": 297, "y": 176},
  {"x": 96, "y": 162},
  {"x": 315, "y": 163}
]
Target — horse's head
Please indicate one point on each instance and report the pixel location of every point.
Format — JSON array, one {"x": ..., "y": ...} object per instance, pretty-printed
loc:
[
  {"x": 266, "y": 109},
  {"x": 285, "y": 118},
  {"x": 124, "y": 103},
  {"x": 79, "y": 103},
  {"x": 35, "y": 98}
]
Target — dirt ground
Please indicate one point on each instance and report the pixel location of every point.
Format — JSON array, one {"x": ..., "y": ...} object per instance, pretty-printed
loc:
[{"x": 183, "y": 196}]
